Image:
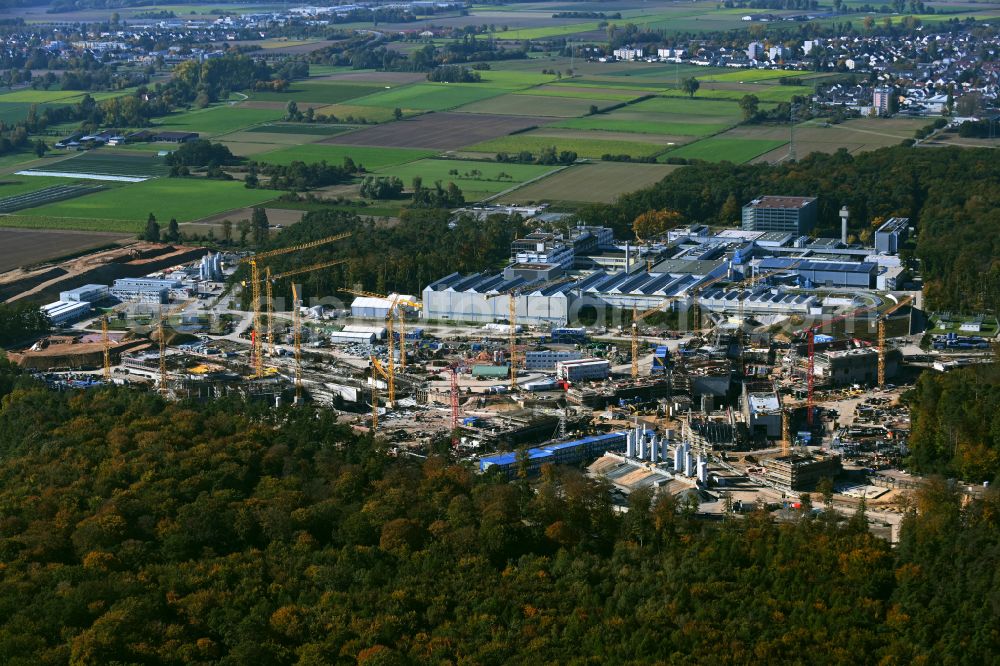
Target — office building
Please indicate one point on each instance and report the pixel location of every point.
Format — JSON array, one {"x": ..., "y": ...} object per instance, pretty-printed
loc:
[
  {"x": 144, "y": 290},
  {"x": 770, "y": 213},
  {"x": 891, "y": 235}
]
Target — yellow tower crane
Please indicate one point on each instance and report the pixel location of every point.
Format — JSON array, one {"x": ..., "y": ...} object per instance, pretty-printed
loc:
[
  {"x": 255, "y": 262},
  {"x": 512, "y": 295},
  {"x": 377, "y": 369},
  {"x": 881, "y": 338},
  {"x": 297, "y": 339},
  {"x": 106, "y": 339},
  {"x": 268, "y": 280}
]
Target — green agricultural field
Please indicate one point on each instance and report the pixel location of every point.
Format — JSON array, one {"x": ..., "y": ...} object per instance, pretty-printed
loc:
[
  {"x": 721, "y": 149},
  {"x": 549, "y": 31},
  {"x": 185, "y": 199},
  {"x": 351, "y": 113},
  {"x": 107, "y": 162},
  {"x": 582, "y": 146},
  {"x": 693, "y": 110},
  {"x": 14, "y": 185},
  {"x": 12, "y": 112},
  {"x": 319, "y": 93},
  {"x": 600, "y": 182},
  {"x": 72, "y": 224},
  {"x": 372, "y": 158},
  {"x": 217, "y": 120},
  {"x": 514, "y": 80},
  {"x": 430, "y": 96},
  {"x": 611, "y": 123},
  {"x": 736, "y": 92},
  {"x": 41, "y": 96},
  {"x": 492, "y": 177}
]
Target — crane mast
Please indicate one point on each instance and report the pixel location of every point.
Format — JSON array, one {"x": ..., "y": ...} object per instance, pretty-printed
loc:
[
  {"x": 107, "y": 347},
  {"x": 297, "y": 338}
]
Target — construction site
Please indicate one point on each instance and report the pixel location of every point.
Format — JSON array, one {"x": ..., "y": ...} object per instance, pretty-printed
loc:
[{"x": 710, "y": 399}]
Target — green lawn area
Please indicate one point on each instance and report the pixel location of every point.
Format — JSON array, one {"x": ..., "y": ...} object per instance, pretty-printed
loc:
[
  {"x": 610, "y": 123},
  {"x": 719, "y": 149},
  {"x": 320, "y": 93},
  {"x": 474, "y": 186},
  {"x": 371, "y": 157},
  {"x": 584, "y": 147},
  {"x": 430, "y": 96},
  {"x": 185, "y": 199},
  {"x": 216, "y": 120}
]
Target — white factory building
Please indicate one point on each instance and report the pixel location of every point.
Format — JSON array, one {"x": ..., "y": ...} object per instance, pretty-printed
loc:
[
  {"x": 88, "y": 293},
  {"x": 583, "y": 369},
  {"x": 62, "y": 312},
  {"x": 374, "y": 307}
]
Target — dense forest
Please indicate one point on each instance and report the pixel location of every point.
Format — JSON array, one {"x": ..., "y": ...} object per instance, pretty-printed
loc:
[
  {"x": 403, "y": 257},
  {"x": 19, "y": 322},
  {"x": 949, "y": 194},
  {"x": 956, "y": 423},
  {"x": 139, "y": 531}
]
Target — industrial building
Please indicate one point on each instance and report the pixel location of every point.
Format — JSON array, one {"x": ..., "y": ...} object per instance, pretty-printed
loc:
[
  {"x": 789, "y": 214},
  {"x": 822, "y": 273},
  {"x": 566, "y": 453},
  {"x": 88, "y": 293},
  {"x": 210, "y": 268},
  {"x": 584, "y": 369},
  {"x": 762, "y": 413},
  {"x": 546, "y": 359},
  {"x": 759, "y": 301},
  {"x": 854, "y": 366},
  {"x": 144, "y": 290},
  {"x": 62, "y": 312},
  {"x": 891, "y": 235},
  {"x": 373, "y": 307},
  {"x": 800, "y": 472}
]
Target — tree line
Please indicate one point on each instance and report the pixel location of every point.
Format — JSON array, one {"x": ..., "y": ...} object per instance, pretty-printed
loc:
[{"x": 137, "y": 530}]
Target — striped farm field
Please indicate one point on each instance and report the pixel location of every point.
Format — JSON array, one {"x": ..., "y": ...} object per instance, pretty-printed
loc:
[
  {"x": 111, "y": 164},
  {"x": 45, "y": 196},
  {"x": 322, "y": 93},
  {"x": 430, "y": 96},
  {"x": 368, "y": 156}
]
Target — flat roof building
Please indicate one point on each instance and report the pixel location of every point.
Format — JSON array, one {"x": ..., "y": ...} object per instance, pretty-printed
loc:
[
  {"x": 772, "y": 213},
  {"x": 800, "y": 472},
  {"x": 583, "y": 369},
  {"x": 88, "y": 293}
]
